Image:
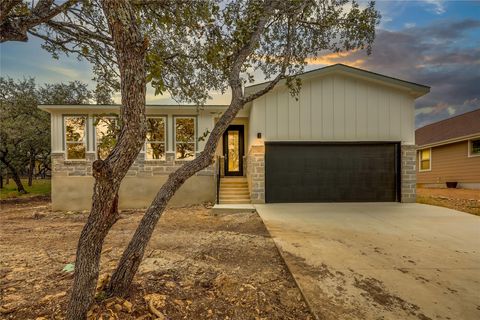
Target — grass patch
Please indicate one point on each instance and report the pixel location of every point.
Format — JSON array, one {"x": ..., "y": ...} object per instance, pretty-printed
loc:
[{"x": 39, "y": 187}]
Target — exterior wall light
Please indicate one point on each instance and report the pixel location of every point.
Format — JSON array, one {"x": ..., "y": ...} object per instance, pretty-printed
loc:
[{"x": 259, "y": 135}]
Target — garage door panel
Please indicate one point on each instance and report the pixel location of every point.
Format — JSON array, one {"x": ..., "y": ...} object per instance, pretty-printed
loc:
[{"x": 331, "y": 172}]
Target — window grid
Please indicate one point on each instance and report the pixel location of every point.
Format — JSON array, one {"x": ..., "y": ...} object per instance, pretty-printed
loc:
[
  {"x": 75, "y": 148},
  {"x": 155, "y": 149},
  {"x": 103, "y": 151},
  {"x": 185, "y": 141}
]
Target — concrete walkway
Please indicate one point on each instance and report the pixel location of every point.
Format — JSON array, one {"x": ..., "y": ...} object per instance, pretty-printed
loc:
[{"x": 380, "y": 260}]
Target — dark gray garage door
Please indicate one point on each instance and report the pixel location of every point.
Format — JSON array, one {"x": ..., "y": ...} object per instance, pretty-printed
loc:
[{"x": 331, "y": 172}]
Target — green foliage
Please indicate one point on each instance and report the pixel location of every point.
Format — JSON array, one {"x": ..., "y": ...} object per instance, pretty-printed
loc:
[{"x": 25, "y": 129}]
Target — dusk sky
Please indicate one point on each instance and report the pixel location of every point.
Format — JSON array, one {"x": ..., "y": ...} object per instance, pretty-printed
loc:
[{"x": 431, "y": 42}]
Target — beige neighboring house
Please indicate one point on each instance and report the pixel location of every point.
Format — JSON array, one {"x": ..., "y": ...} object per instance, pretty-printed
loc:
[
  {"x": 449, "y": 152},
  {"x": 349, "y": 137}
]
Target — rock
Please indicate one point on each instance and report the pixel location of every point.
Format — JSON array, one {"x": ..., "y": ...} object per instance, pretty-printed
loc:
[
  {"x": 117, "y": 307},
  {"x": 38, "y": 215},
  {"x": 128, "y": 306}
]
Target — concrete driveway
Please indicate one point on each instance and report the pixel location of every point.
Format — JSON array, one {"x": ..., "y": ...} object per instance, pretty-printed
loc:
[{"x": 380, "y": 260}]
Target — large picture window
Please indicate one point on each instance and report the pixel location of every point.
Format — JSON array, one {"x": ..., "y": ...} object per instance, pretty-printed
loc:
[
  {"x": 425, "y": 159},
  {"x": 75, "y": 137},
  {"x": 156, "y": 138},
  {"x": 185, "y": 138},
  {"x": 106, "y": 133}
]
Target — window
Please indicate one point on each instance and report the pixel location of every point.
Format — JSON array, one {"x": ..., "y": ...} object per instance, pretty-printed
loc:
[
  {"x": 106, "y": 132},
  {"x": 156, "y": 138},
  {"x": 474, "y": 148},
  {"x": 75, "y": 137},
  {"x": 185, "y": 138},
  {"x": 425, "y": 159}
]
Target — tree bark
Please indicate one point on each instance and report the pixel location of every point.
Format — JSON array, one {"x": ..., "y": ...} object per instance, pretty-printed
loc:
[
  {"x": 18, "y": 181},
  {"x": 127, "y": 267},
  {"x": 130, "y": 48},
  {"x": 15, "y": 175},
  {"x": 31, "y": 170}
]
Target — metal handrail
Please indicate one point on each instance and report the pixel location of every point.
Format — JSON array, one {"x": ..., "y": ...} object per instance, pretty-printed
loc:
[{"x": 218, "y": 179}]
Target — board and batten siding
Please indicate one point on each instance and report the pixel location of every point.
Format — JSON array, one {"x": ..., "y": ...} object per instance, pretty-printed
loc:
[{"x": 334, "y": 108}]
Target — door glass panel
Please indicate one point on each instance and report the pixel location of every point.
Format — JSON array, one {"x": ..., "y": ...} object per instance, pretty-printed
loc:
[{"x": 233, "y": 151}]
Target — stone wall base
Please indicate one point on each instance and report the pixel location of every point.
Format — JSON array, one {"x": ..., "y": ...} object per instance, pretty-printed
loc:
[
  {"x": 75, "y": 193},
  {"x": 408, "y": 174}
]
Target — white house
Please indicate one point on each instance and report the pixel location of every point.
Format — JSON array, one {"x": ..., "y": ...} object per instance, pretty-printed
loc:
[{"x": 348, "y": 138}]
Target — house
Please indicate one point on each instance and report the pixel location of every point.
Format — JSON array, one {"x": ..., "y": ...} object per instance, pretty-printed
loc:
[
  {"x": 449, "y": 151},
  {"x": 349, "y": 137}
]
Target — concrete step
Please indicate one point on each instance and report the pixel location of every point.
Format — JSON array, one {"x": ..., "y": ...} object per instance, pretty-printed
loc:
[
  {"x": 229, "y": 191},
  {"x": 234, "y": 196},
  {"x": 233, "y": 188},
  {"x": 234, "y": 201}
]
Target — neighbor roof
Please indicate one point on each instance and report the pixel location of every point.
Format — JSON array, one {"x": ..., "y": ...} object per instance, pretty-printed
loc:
[
  {"x": 450, "y": 130},
  {"x": 417, "y": 90}
]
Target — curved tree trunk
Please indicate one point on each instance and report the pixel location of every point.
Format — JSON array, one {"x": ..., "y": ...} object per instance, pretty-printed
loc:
[
  {"x": 127, "y": 267},
  {"x": 15, "y": 175},
  {"x": 18, "y": 181},
  {"x": 130, "y": 49},
  {"x": 133, "y": 255}
]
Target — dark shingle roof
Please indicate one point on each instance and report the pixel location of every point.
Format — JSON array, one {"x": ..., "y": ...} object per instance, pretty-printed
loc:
[{"x": 460, "y": 126}]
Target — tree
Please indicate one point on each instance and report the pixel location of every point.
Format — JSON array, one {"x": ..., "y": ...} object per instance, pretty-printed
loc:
[
  {"x": 25, "y": 128},
  {"x": 17, "y": 17},
  {"x": 185, "y": 48}
]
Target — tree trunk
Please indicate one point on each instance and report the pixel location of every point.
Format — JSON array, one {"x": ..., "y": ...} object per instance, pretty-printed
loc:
[
  {"x": 128, "y": 266},
  {"x": 130, "y": 49},
  {"x": 1, "y": 181},
  {"x": 31, "y": 170},
  {"x": 18, "y": 181}
]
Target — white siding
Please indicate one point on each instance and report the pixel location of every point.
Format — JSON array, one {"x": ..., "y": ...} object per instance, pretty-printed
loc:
[{"x": 335, "y": 108}]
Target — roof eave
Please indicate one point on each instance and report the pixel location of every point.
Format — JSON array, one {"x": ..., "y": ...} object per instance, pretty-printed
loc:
[{"x": 449, "y": 141}]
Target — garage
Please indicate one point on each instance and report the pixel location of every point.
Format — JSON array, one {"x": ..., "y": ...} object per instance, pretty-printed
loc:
[{"x": 332, "y": 172}]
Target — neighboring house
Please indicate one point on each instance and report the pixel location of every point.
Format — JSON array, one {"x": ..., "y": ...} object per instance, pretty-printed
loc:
[
  {"x": 348, "y": 137},
  {"x": 449, "y": 151}
]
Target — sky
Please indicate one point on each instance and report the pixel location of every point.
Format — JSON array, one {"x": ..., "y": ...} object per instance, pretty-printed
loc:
[{"x": 431, "y": 42}]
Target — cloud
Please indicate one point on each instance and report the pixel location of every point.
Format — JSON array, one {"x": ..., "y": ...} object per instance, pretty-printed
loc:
[
  {"x": 438, "y": 6},
  {"x": 429, "y": 55}
]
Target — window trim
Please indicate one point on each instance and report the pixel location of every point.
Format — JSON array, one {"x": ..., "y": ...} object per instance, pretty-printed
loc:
[
  {"x": 165, "y": 119},
  {"x": 420, "y": 160},
  {"x": 94, "y": 133},
  {"x": 470, "y": 154},
  {"x": 85, "y": 137},
  {"x": 195, "y": 135}
]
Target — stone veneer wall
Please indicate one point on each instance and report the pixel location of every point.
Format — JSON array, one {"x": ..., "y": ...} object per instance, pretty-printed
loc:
[
  {"x": 409, "y": 173},
  {"x": 140, "y": 168},
  {"x": 256, "y": 173}
]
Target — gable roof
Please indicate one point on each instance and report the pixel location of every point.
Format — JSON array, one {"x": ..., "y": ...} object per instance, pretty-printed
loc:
[
  {"x": 415, "y": 89},
  {"x": 449, "y": 130}
]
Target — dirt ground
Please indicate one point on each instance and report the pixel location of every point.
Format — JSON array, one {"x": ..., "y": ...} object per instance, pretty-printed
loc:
[
  {"x": 466, "y": 200},
  {"x": 198, "y": 266}
]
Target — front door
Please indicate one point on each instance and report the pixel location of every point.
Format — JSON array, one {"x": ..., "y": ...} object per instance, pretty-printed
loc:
[{"x": 233, "y": 150}]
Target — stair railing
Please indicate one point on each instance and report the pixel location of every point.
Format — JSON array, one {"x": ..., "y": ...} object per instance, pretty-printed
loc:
[{"x": 218, "y": 179}]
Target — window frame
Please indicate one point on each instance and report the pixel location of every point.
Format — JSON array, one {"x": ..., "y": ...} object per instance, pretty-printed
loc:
[
  {"x": 470, "y": 154},
  {"x": 85, "y": 136},
  {"x": 420, "y": 160},
  {"x": 165, "y": 137},
  {"x": 195, "y": 136},
  {"x": 95, "y": 136}
]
